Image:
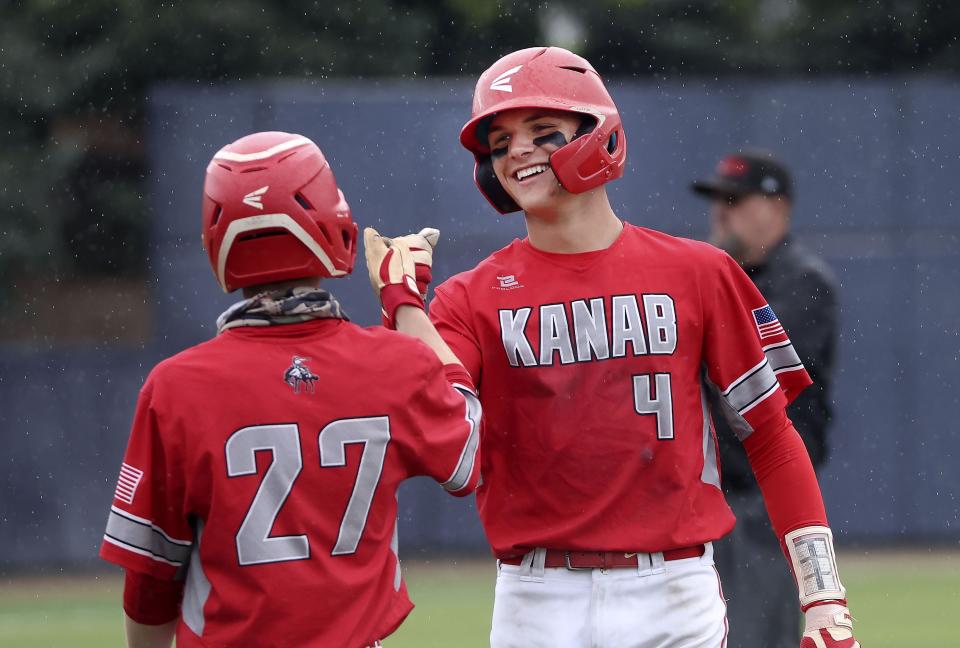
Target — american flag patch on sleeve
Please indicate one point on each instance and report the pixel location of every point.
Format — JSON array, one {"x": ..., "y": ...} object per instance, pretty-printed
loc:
[
  {"x": 767, "y": 323},
  {"x": 127, "y": 483}
]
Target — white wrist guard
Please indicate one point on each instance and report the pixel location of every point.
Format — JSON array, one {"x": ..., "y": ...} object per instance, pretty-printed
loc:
[{"x": 814, "y": 564}]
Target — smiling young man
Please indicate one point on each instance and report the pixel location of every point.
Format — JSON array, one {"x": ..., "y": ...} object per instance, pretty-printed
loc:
[{"x": 594, "y": 344}]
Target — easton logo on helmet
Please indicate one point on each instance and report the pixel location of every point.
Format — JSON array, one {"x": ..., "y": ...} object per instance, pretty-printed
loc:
[
  {"x": 553, "y": 79},
  {"x": 310, "y": 230},
  {"x": 502, "y": 82},
  {"x": 255, "y": 198}
]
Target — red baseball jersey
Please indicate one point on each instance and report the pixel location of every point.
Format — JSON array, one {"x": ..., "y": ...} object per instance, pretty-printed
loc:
[
  {"x": 593, "y": 371},
  {"x": 263, "y": 468}
]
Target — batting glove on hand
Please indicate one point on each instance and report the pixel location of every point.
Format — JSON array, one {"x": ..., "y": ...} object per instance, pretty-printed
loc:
[
  {"x": 421, "y": 246},
  {"x": 391, "y": 268},
  {"x": 828, "y": 625}
]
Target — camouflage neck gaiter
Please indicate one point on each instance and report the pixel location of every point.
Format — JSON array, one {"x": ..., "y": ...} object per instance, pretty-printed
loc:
[{"x": 288, "y": 307}]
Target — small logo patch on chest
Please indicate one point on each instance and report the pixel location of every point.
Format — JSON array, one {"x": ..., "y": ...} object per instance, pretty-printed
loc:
[
  {"x": 508, "y": 282},
  {"x": 299, "y": 376}
]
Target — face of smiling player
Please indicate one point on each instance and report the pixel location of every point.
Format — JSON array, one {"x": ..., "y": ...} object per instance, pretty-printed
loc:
[{"x": 521, "y": 141}]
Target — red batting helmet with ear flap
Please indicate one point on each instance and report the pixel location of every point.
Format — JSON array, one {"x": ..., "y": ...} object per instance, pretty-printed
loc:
[
  {"x": 554, "y": 78},
  {"x": 272, "y": 212}
]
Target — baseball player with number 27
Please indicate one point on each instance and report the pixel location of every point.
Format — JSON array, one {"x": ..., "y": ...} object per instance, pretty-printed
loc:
[
  {"x": 257, "y": 501},
  {"x": 593, "y": 344}
]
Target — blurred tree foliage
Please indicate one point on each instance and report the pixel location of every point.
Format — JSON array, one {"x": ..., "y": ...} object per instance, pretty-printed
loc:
[{"x": 74, "y": 75}]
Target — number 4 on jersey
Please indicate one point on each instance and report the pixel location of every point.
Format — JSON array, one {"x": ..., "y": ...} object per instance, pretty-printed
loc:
[
  {"x": 254, "y": 543},
  {"x": 655, "y": 400}
]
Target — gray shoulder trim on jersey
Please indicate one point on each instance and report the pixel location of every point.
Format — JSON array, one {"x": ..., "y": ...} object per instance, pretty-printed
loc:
[
  {"x": 197, "y": 589},
  {"x": 710, "y": 474},
  {"x": 782, "y": 357},
  {"x": 395, "y": 549},
  {"x": 461, "y": 474},
  {"x": 752, "y": 388},
  {"x": 143, "y": 537},
  {"x": 736, "y": 422}
]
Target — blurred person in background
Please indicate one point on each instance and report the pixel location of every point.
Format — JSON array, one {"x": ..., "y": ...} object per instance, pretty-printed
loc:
[
  {"x": 257, "y": 499},
  {"x": 751, "y": 198}
]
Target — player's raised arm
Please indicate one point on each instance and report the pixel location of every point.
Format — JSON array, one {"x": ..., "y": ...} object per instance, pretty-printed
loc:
[{"x": 400, "y": 272}]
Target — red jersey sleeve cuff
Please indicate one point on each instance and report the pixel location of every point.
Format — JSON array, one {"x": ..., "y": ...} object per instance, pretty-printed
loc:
[
  {"x": 151, "y": 601},
  {"x": 457, "y": 375}
]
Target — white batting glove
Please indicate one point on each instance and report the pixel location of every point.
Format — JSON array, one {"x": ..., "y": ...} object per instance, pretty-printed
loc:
[
  {"x": 391, "y": 268},
  {"x": 828, "y": 625},
  {"x": 421, "y": 246}
]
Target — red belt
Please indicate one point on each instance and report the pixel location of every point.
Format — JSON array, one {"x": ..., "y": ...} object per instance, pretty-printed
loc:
[{"x": 604, "y": 559}]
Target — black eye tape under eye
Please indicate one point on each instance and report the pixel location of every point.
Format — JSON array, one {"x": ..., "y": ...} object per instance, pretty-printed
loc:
[
  {"x": 498, "y": 152},
  {"x": 556, "y": 138}
]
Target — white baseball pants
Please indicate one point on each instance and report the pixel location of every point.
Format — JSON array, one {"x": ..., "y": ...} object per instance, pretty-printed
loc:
[{"x": 672, "y": 604}]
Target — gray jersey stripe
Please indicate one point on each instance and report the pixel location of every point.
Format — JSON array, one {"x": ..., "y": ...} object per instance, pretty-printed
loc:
[
  {"x": 782, "y": 357},
  {"x": 395, "y": 549},
  {"x": 709, "y": 474},
  {"x": 746, "y": 376},
  {"x": 143, "y": 535},
  {"x": 138, "y": 550},
  {"x": 736, "y": 422},
  {"x": 461, "y": 474},
  {"x": 760, "y": 398},
  {"x": 751, "y": 388},
  {"x": 130, "y": 516},
  {"x": 196, "y": 590}
]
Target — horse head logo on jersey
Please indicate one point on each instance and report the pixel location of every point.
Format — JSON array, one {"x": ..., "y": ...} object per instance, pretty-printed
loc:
[{"x": 298, "y": 375}]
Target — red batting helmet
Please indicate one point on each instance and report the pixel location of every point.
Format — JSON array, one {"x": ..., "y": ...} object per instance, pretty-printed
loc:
[
  {"x": 272, "y": 212},
  {"x": 548, "y": 77}
]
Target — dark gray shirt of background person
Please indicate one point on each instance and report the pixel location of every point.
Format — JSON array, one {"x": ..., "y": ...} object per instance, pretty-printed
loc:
[
  {"x": 762, "y": 603},
  {"x": 801, "y": 290}
]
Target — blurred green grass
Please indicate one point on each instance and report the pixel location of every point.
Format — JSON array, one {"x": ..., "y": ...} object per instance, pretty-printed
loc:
[{"x": 899, "y": 598}]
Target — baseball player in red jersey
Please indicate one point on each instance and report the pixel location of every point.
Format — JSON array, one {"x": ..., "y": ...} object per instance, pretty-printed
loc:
[
  {"x": 257, "y": 499},
  {"x": 594, "y": 344}
]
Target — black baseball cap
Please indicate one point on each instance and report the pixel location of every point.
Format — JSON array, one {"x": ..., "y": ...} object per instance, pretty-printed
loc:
[{"x": 747, "y": 172}]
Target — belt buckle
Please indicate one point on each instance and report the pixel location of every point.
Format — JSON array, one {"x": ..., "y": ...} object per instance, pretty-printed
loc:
[{"x": 566, "y": 557}]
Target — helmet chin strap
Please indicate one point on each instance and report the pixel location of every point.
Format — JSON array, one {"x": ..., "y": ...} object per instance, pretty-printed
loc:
[{"x": 491, "y": 187}]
